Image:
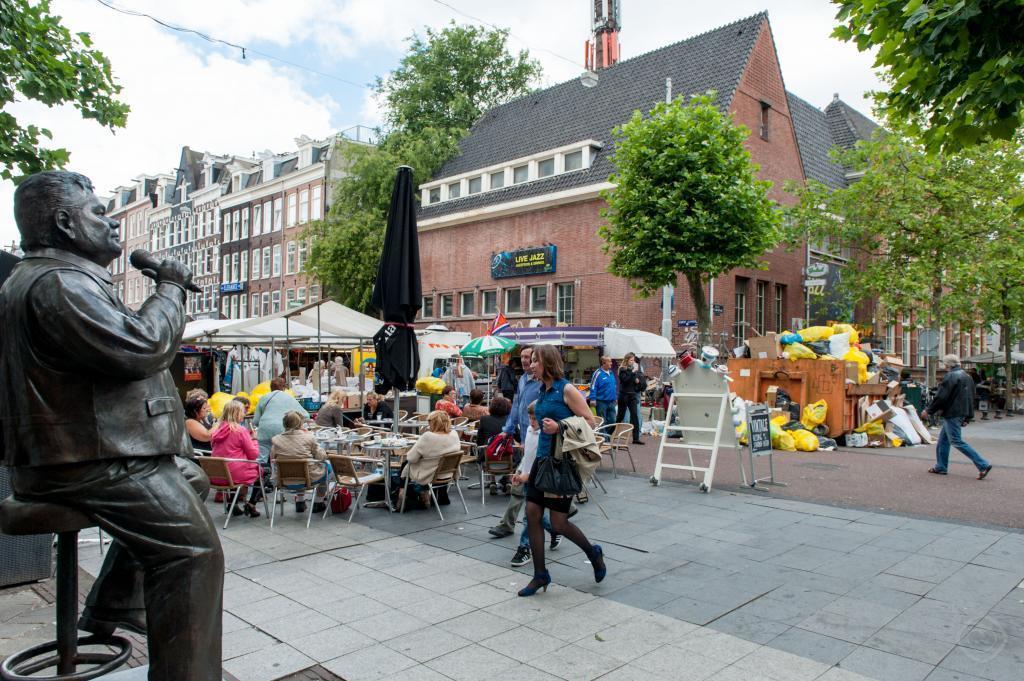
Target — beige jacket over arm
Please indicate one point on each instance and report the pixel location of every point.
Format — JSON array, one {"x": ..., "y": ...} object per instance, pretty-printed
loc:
[
  {"x": 425, "y": 455},
  {"x": 299, "y": 444}
]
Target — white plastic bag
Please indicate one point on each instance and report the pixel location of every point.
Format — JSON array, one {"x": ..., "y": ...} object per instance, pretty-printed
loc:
[
  {"x": 839, "y": 344},
  {"x": 857, "y": 440}
]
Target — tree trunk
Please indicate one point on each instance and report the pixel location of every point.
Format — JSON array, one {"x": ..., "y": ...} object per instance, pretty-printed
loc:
[
  {"x": 935, "y": 322},
  {"x": 695, "y": 282}
]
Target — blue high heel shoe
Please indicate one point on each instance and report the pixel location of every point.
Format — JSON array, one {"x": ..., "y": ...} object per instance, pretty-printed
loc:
[
  {"x": 598, "y": 555},
  {"x": 542, "y": 579}
]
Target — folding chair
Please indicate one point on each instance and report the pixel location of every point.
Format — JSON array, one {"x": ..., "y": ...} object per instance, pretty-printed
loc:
[
  {"x": 447, "y": 474},
  {"x": 346, "y": 475},
  {"x": 292, "y": 475},
  {"x": 216, "y": 469},
  {"x": 495, "y": 469}
]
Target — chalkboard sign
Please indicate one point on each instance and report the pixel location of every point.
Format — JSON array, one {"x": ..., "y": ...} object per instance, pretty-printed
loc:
[{"x": 759, "y": 430}]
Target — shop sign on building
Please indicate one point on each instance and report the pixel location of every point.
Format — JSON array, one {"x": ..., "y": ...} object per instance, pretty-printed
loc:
[{"x": 540, "y": 260}]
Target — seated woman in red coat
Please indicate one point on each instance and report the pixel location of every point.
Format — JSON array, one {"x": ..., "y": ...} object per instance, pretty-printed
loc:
[{"x": 232, "y": 440}]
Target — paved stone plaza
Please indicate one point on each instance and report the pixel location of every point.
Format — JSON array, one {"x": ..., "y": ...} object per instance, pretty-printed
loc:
[{"x": 719, "y": 586}]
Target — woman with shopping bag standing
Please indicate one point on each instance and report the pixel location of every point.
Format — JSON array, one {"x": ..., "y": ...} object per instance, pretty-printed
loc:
[{"x": 558, "y": 400}]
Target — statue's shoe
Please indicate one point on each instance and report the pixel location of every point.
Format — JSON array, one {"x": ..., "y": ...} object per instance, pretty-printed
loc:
[{"x": 104, "y": 622}]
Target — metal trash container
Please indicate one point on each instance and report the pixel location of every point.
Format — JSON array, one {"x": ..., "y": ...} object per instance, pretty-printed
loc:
[{"x": 26, "y": 558}]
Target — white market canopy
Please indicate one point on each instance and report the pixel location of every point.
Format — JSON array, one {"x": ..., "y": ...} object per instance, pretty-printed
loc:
[
  {"x": 618, "y": 342},
  {"x": 994, "y": 358},
  {"x": 324, "y": 322}
]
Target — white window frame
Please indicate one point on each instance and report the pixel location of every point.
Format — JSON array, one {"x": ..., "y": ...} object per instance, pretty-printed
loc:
[
  {"x": 293, "y": 209},
  {"x": 275, "y": 264},
  {"x": 508, "y": 307},
  {"x": 266, "y": 262},
  {"x": 291, "y": 251},
  {"x": 529, "y": 298},
  {"x": 303, "y": 206},
  {"x": 317, "y": 203},
  {"x": 465, "y": 296}
]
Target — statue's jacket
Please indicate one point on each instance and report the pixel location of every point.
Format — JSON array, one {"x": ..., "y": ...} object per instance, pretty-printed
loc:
[{"x": 82, "y": 377}]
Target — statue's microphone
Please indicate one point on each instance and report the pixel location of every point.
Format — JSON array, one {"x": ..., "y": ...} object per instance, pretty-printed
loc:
[{"x": 143, "y": 260}]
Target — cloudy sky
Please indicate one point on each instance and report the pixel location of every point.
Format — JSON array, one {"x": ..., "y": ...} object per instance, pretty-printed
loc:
[{"x": 185, "y": 90}]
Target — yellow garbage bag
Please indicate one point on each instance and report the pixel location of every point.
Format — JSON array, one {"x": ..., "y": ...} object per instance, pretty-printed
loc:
[
  {"x": 871, "y": 428},
  {"x": 804, "y": 440},
  {"x": 429, "y": 385},
  {"x": 258, "y": 392},
  {"x": 847, "y": 328},
  {"x": 816, "y": 333},
  {"x": 814, "y": 414},
  {"x": 855, "y": 355},
  {"x": 217, "y": 402},
  {"x": 795, "y": 351},
  {"x": 783, "y": 441},
  {"x": 780, "y": 421},
  {"x": 741, "y": 433}
]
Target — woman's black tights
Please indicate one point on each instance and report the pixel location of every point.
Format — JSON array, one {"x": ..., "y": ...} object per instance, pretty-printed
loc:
[{"x": 559, "y": 525}]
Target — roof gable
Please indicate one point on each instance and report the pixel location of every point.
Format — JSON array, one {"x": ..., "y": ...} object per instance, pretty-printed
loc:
[
  {"x": 568, "y": 112},
  {"x": 847, "y": 125}
]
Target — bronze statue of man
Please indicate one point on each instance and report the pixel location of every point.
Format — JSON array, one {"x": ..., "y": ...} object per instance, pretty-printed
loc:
[{"x": 91, "y": 419}]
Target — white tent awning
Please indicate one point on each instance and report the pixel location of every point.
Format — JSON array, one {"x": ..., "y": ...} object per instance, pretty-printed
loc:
[
  {"x": 618, "y": 342},
  {"x": 994, "y": 358},
  {"x": 337, "y": 325}
]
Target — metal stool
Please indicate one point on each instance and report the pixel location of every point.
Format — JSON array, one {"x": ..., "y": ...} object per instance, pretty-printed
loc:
[{"x": 32, "y": 517}]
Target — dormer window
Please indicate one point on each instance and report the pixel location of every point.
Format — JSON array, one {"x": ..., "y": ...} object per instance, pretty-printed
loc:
[
  {"x": 475, "y": 185},
  {"x": 546, "y": 167},
  {"x": 520, "y": 174},
  {"x": 498, "y": 179},
  {"x": 435, "y": 195},
  {"x": 573, "y": 160},
  {"x": 454, "y": 190}
]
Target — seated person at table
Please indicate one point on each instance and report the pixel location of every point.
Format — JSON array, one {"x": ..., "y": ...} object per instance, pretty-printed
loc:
[
  {"x": 244, "y": 401},
  {"x": 425, "y": 456},
  {"x": 491, "y": 424},
  {"x": 197, "y": 412},
  {"x": 232, "y": 440},
  {"x": 295, "y": 442},
  {"x": 269, "y": 415},
  {"x": 476, "y": 409},
  {"x": 447, "y": 402},
  {"x": 375, "y": 409},
  {"x": 332, "y": 414},
  {"x": 210, "y": 421}
]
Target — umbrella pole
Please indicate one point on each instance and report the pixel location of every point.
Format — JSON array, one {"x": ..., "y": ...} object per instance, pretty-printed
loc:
[
  {"x": 362, "y": 377},
  {"x": 272, "y": 350},
  {"x": 287, "y": 352}
]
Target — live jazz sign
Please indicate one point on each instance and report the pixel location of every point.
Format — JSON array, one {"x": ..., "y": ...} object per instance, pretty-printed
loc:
[{"x": 540, "y": 260}]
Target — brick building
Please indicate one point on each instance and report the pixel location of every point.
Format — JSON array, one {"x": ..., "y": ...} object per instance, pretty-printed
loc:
[{"x": 524, "y": 193}]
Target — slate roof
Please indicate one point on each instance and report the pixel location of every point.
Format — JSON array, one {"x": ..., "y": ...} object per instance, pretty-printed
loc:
[
  {"x": 847, "y": 125},
  {"x": 568, "y": 112},
  {"x": 818, "y": 132}
]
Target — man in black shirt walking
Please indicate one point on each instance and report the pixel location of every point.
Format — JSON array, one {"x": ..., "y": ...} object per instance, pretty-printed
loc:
[{"x": 631, "y": 384}]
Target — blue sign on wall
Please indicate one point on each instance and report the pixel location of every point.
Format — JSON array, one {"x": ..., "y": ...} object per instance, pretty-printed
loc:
[
  {"x": 233, "y": 287},
  {"x": 540, "y": 260}
]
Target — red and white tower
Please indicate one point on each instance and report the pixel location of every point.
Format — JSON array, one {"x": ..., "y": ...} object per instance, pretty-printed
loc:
[{"x": 602, "y": 50}]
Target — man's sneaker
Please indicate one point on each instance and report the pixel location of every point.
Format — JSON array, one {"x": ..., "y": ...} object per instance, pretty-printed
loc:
[
  {"x": 522, "y": 556},
  {"x": 499, "y": 531},
  {"x": 300, "y": 506},
  {"x": 556, "y": 541}
]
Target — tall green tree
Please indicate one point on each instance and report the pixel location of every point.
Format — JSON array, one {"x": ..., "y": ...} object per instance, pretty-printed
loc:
[
  {"x": 686, "y": 201},
  {"x": 912, "y": 226},
  {"x": 40, "y": 59},
  {"x": 957, "y": 66},
  {"x": 440, "y": 88}
]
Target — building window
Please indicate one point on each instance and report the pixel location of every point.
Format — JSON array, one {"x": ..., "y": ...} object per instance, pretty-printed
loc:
[
  {"x": 276, "y": 264},
  {"x": 243, "y": 312},
  {"x": 520, "y": 174},
  {"x": 314, "y": 293},
  {"x": 227, "y": 268},
  {"x": 538, "y": 298},
  {"x": 237, "y": 220},
  {"x": 780, "y": 307},
  {"x": 289, "y": 299},
  {"x": 447, "y": 305},
  {"x": 475, "y": 185},
  {"x": 289, "y": 263},
  {"x": 454, "y": 190},
  {"x": 235, "y": 271},
  {"x": 228, "y": 235},
  {"x": 234, "y": 307},
  {"x": 266, "y": 261},
  {"x": 765, "y": 108},
  {"x": 466, "y": 304},
  {"x": 435, "y": 195},
  {"x": 546, "y": 168},
  {"x": 573, "y": 160},
  {"x": 301, "y": 296},
  {"x": 268, "y": 216},
  {"x": 739, "y": 328},
  {"x": 303, "y": 206},
  {"x": 427, "y": 309},
  {"x": 293, "y": 204},
  {"x": 245, "y": 266},
  {"x": 489, "y": 302},
  {"x": 890, "y": 338},
  {"x": 759, "y": 307},
  {"x": 257, "y": 217},
  {"x": 565, "y": 303},
  {"x": 265, "y": 300},
  {"x": 513, "y": 300},
  {"x": 318, "y": 202},
  {"x": 245, "y": 223},
  {"x": 906, "y": 346},
  {"x": 255, "y": 264},
  {"x": 278, "y": 207},
  {"x": 303, "y": 254},
  {"x": 275, "y": 302},
  {"x": 498, "y": 179}
]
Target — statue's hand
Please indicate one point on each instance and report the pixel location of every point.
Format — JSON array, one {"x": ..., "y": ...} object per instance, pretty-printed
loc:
[{"x": 170, "y": 271}]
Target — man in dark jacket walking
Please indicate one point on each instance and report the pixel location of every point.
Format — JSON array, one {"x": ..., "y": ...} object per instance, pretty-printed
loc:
[
  {"x": 631, "y": 384},
  {"x": 955, "y": 402}
]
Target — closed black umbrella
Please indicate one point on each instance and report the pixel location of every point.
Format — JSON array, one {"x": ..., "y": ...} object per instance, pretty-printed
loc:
[{"x": 397, "y": 293}]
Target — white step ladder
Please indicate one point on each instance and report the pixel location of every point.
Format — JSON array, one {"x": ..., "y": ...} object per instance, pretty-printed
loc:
[{"x": 709, "y": 471}]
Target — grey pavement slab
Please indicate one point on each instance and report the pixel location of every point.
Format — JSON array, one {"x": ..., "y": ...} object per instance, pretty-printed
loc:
[{"x": 722, "y": 586}]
